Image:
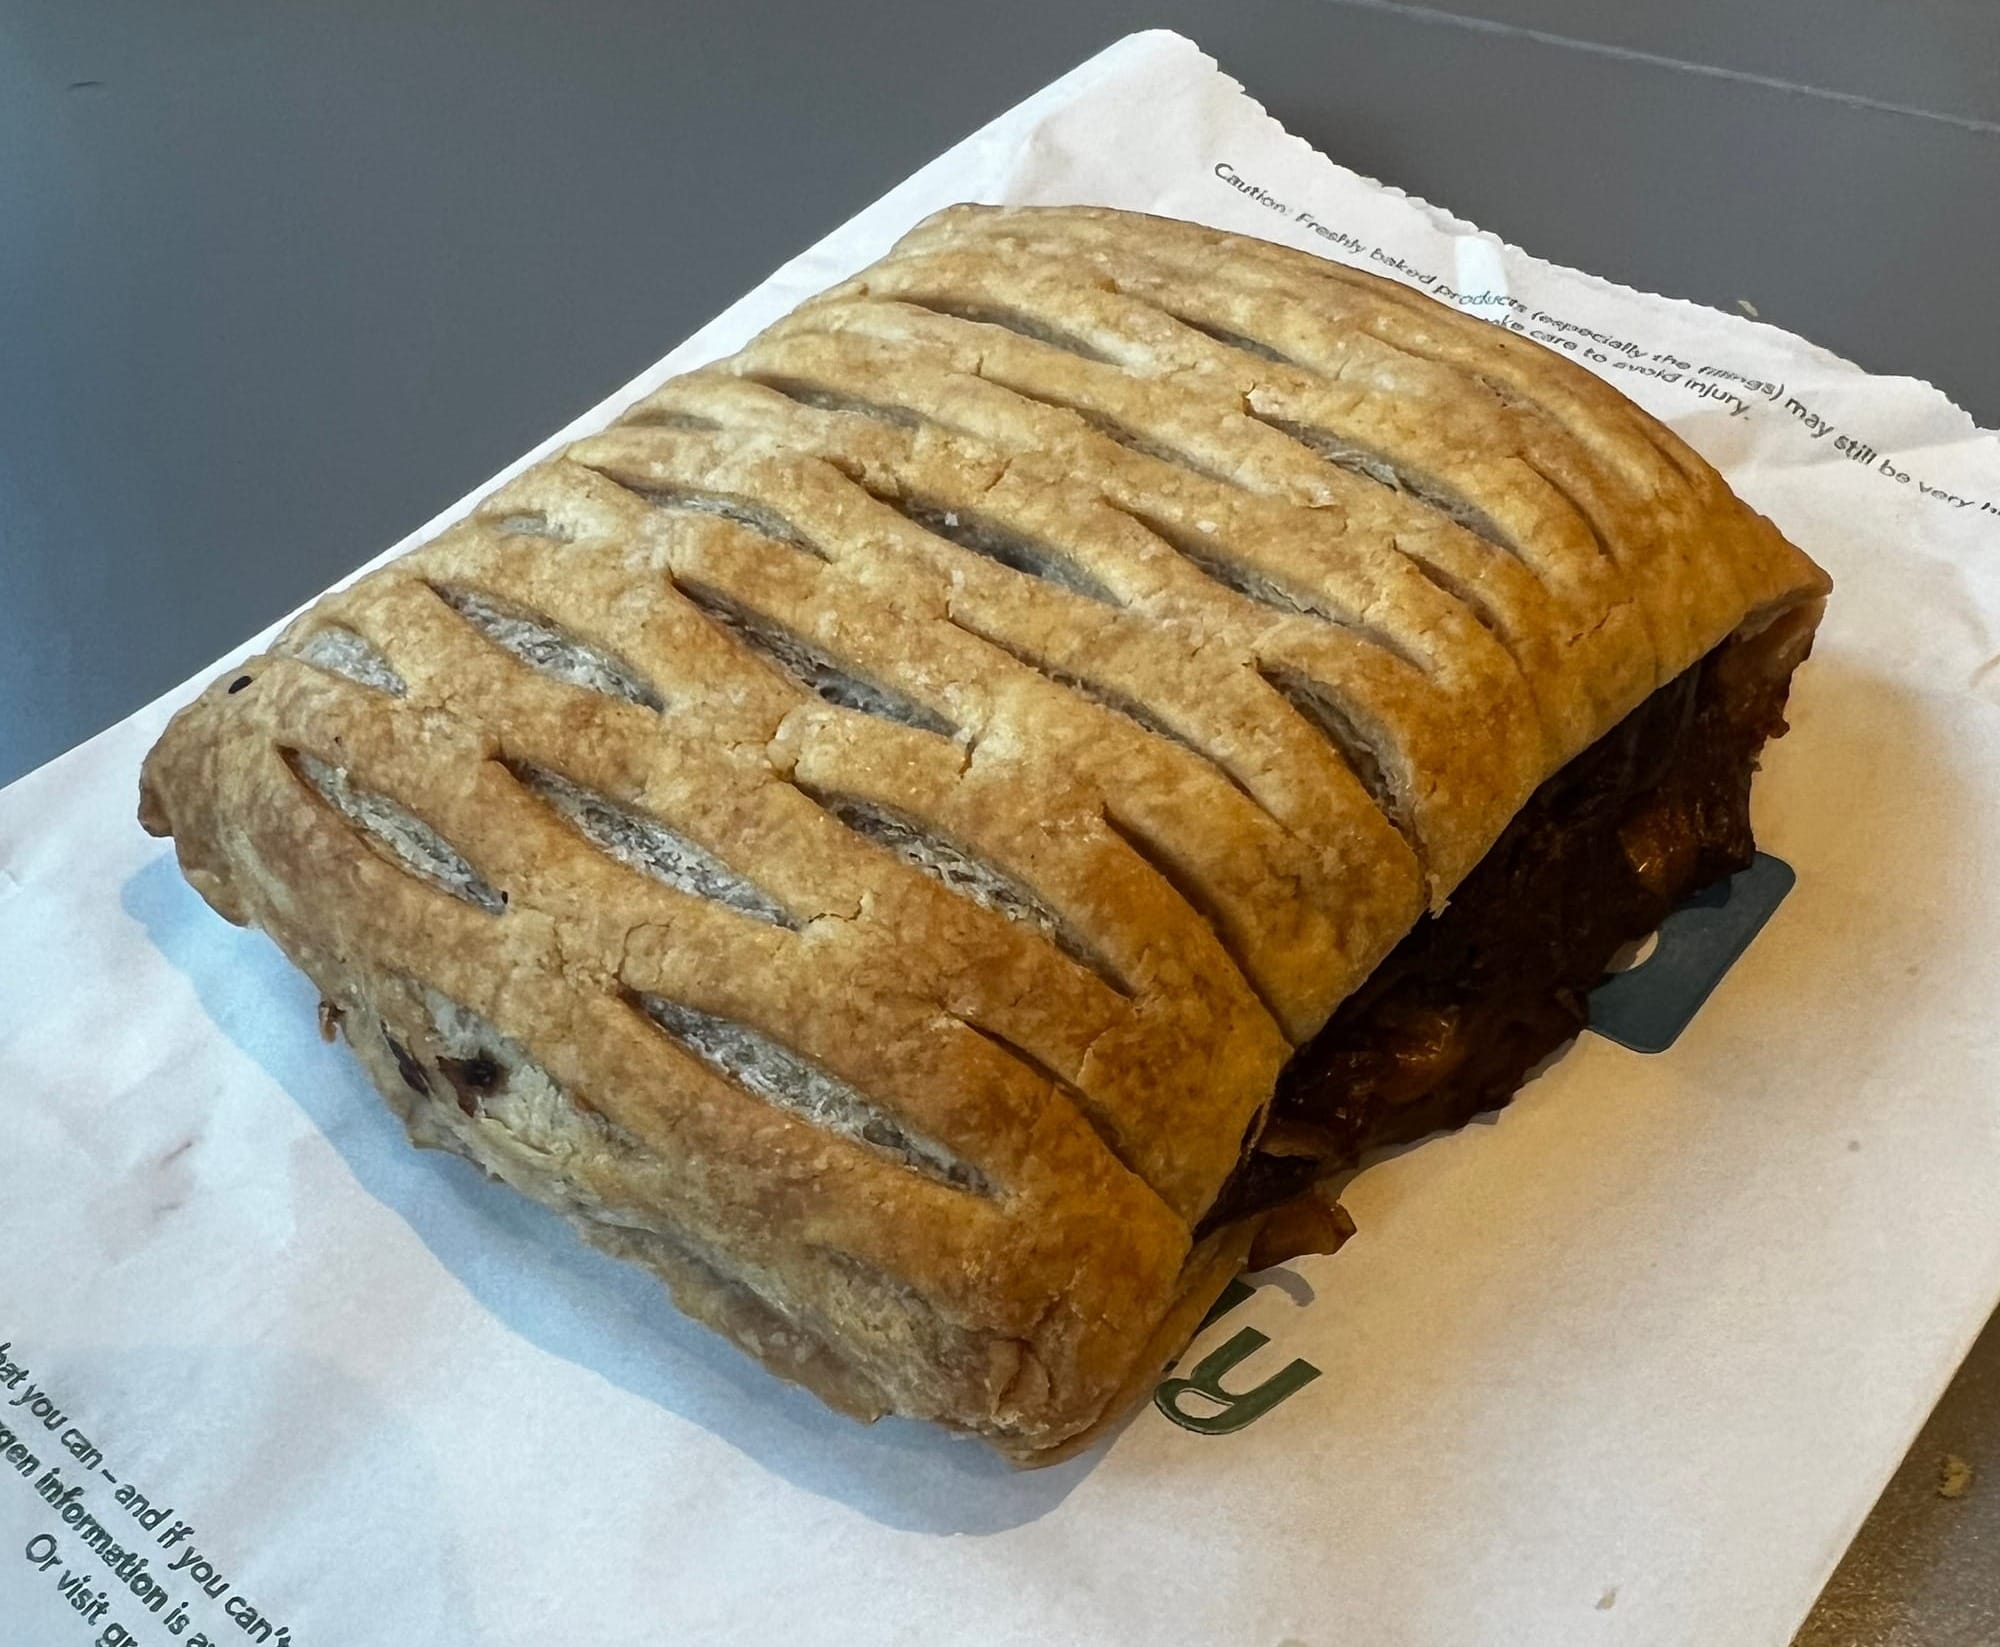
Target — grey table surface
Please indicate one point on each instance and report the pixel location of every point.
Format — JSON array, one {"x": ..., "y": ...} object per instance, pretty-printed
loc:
[{"x": 279, "y": 279}]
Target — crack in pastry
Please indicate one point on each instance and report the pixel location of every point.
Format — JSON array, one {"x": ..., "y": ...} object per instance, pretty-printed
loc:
[
  {"x": 1386, "y": 471},
  {"x": 646, "y": 844},
  {"x": 511, "y": 1117},
  {"x": 1017, "y": 321},
  {"x": 759, "y": 517},
  {"x": 1015, "y": 550},
  {"x": 1232, "y": 340},
  {"x": 1196, "y": 896},
  {"x": 803, "y": 663},
  {"x": 1317, "y": 705},
  {"x": 778, "y": 1074},
  {"x": 822, "y": 399},
  {"x": 1105, "y": 697},
  {"x": 654, "y": 417},
  {"x": 1123, "y": 433},
  {"x": 1094, "y": 1114},
  {"x": 340, "y": 651},
  {"x": 1208, "y": 557},
  {"x": 958, "y": 870},
  {"x": 1450, "y": 581},
  {"x": 523, "y": 523},
  {"x": 552, "y": 651},
  {"x": 1587, "y": 510},
  {"x": 410, "y": 841},
  {"x": 1108, "y": 697}
]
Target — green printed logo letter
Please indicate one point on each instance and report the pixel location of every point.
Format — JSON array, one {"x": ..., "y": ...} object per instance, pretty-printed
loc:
[{"x": 1218, "y": 1411}]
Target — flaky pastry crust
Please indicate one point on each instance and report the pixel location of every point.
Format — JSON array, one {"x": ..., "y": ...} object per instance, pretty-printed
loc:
[{"x": 862, "y": 834}]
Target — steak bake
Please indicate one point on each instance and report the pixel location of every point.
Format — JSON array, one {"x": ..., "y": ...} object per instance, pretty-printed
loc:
[{"x": 940, "y": 833}]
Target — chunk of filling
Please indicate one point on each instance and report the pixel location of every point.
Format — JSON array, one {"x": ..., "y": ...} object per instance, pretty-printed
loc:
[{"x": 1473, "y": 998}]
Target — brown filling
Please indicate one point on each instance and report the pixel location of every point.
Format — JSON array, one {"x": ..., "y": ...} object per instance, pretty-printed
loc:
[{"x": 1472, "y": 999}]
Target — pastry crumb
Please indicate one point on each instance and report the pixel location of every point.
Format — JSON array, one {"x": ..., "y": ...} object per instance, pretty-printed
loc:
[
  {"x": 329, "y": 1020},
  {"x": 1954, "y": 1476}
]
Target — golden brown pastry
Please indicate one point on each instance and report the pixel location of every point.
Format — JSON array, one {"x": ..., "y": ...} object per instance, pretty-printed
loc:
[{"x": 864, "y": 834}]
